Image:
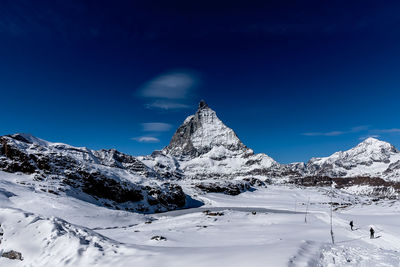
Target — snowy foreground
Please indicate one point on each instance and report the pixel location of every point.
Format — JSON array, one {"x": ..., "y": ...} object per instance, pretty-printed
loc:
[{"x": 261, "y": 228}]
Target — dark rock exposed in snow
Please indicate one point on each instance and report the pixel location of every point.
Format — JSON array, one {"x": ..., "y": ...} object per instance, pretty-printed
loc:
[
  {"x": 12, "y": 255},
  {"x": 227, "y": 187},
  {"x": 159, "y": 238}
]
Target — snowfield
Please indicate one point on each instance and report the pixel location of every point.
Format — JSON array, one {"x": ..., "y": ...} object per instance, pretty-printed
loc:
[{"x": 265, "y": 227}]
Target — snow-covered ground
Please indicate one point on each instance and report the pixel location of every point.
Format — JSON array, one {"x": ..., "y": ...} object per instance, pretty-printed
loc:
[{"x": 262, "y": 228}]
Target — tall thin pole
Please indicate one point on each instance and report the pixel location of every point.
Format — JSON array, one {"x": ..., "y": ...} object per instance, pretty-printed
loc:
[
  {"x": 332, "y": 236},
  {"x": 305, "y": 216}
]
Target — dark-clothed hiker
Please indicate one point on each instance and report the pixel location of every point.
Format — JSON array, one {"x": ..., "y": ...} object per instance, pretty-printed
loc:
[
  {"x": 372, "y": 231},
  {"x": 351, "y": 225}
]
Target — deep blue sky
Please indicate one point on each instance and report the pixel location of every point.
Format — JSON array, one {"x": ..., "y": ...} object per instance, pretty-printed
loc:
[{"x": 293, "y": 79}]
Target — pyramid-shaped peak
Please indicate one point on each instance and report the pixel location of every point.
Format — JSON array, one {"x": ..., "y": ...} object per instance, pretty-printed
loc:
[
  {"x": 203, "y": 105},
  {"x": 202, "y": 132}
]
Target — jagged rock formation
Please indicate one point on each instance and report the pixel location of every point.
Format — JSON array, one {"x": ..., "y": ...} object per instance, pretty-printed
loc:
[
  {"x": 110, "y": 177},
  {"x": 201, "y": 132},
  {"x": 203, "y": 147}
]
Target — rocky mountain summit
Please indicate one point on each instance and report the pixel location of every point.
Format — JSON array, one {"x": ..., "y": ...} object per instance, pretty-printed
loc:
[
  {"x": 202, "y": 132},
  {"x": 203, "y": 147}
]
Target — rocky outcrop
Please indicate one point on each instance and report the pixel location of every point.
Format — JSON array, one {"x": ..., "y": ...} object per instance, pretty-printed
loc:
[
  {"x": 225, "y": 187},
  {"x": 111, "y": 178},
  {"x": 167, "y": 195},
  {"x": 12, "y": 255}
]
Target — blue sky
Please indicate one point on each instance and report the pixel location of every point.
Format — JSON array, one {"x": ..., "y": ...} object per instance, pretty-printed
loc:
[{"x": 294, "y": 80}]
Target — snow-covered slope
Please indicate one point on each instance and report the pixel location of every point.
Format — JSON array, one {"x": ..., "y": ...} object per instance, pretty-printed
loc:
[
  {"x": 372, "y": 157},
  {"x": 265, "y": 227}
]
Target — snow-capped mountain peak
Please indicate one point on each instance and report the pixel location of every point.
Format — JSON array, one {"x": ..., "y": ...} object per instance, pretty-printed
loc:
[
  {"x": 28, "y": 138},
  {"x": 201, "y": 132},
  {"x": 372, "y": 144},
  {"x": 369, "y": 158}
]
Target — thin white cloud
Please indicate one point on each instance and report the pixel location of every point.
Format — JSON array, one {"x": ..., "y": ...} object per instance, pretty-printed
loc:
[
  {"x": 333, "y": 133},
  {"x": 146, "y": 139},
  {"x": 359, "y": 128},
  {"x": 166, "y": 105},
  {"x": 393, "y": 130},
  {"x": 368, "y": 136},
  {"x": 356, "y": 129},
  {"x": 173, "y": 85},
  {"x": 170, "y": 90},
  {"x": 156, "y": 127}
]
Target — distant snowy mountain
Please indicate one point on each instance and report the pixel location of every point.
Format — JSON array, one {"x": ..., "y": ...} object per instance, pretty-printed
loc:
[{"x": 371, "y": 157}]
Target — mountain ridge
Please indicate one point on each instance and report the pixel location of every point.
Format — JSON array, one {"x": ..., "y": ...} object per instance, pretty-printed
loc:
[{"x": 204, "y": 154}]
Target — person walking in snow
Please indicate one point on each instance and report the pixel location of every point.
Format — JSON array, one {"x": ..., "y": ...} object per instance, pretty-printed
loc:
[
  {"x": 351, "y": 225},
  {"x": 372, "y": 231}
]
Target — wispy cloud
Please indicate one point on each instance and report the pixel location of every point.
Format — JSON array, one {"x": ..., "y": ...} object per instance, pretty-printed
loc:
[
  {"x": 393, "y": 130},
  {"x": 356, "y": 129},
  {"x": 156, "y": 127},
  {"x": 368, "y": 136},
  {"x": 170, "y": 90},
  {"x": 146, "y": 139},
  {"x": 173, "y": 85},
  {"x": 166, "y": 105}
]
